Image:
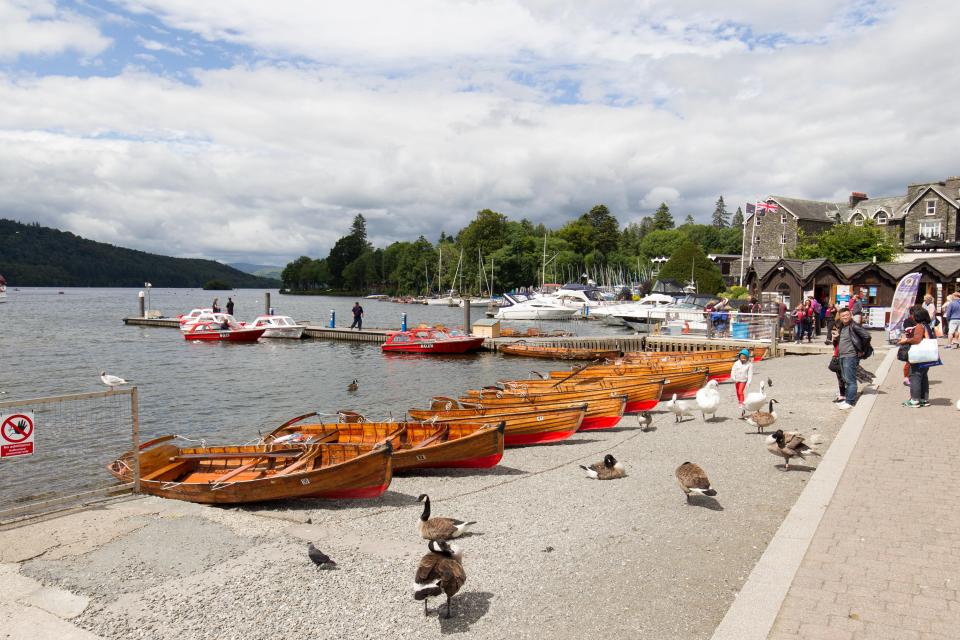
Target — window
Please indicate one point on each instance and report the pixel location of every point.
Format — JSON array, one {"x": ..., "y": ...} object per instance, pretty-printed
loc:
[
  {"x": 931, "y": 207},
  {"x": 783, "y": 238},
  {"x": 881, "y": 217},
  {"x": 756, "y": 240},
  {"x": 756, "y": 219},
  {"x": 857, "y": 219},
  {"x": 783, "y": 218},
  {"x": 930, "y": 228}
]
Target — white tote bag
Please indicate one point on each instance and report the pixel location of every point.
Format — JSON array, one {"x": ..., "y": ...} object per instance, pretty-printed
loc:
[{"x": 925, "y": 351}]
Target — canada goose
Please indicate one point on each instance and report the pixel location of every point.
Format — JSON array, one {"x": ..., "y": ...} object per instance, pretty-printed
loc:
[
  {"x": 353, "y": 386},
  {"x": 319, "y": 558},
  {"x": 608, "y": 469},
  {"x": 680, "y": 408},
  {"x": 708, "y": 399},
  {"x": 763, "y": 419},
  {"x": 440, "y": 571},
  {"x": 788, "y": 445},
  {"x": 439, "y": 528},
  {"x": 754, "y": 400},
  {"x": 112, "y": 381},
  {"x": 645, "y": 420},
  {"x": 694, "y": 480}
]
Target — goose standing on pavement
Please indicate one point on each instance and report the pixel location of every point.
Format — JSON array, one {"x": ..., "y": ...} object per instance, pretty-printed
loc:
[
  {"x": 755, "y": 400},
  {"x": 694, "y": 480},
  {"x": 439, "y": 528},
  {"x": 645, "y": 420},
  {"x": 789, "y": 445},
  {"x": 607, "y": 469},
  {"x": 763, "y": 419},
  {"x": 680, "y": 408},
  {"x": 440, "y": 571},
  {"x": 708, "y": 399}
]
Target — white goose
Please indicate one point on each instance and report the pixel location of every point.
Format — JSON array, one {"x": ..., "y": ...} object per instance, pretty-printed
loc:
[
  {"x": 708, "y": 399},
  {"x": 754, "y": 401}
]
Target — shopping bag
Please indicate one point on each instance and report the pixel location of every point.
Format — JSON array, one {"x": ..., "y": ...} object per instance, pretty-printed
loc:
[{"x": 925, "y": 351}]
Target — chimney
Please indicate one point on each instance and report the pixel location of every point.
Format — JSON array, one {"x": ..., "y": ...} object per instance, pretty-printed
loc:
[{"x": 857, "y": 197}]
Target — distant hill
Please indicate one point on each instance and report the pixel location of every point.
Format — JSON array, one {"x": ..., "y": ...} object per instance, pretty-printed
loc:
[
  {"x": 35, "y": 256},
  {"x": 262, "y": 270}
]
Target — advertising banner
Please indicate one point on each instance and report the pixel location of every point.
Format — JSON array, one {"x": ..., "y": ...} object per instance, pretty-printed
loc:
[{"x": 903, "y": 299}]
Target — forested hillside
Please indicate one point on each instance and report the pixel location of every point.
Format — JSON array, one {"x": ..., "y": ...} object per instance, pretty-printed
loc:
[{"x": 35, "y": 256}]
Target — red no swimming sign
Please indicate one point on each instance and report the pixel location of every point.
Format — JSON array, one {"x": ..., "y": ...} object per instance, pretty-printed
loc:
[{"x": 16, "y": 435}]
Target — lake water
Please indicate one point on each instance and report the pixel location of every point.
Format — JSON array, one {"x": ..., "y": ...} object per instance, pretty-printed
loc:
[{"x": 54, "y": 343}]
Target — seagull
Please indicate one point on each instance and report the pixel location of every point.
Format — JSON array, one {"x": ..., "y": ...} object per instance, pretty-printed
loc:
[
  {"x": 112, "y": 381},
  {"x": 319, "y": 558}
]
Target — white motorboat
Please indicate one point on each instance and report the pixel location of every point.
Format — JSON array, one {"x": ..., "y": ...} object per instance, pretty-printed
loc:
[
  {"x": 279, "y": 327},
  {"x": 188, "y": 323},
  {"x": 477, "y": 302},
  {"x": 444, "y": 301},
  {"x": 191, "y": 318},
  {"x": 543, "y": 308},
  {"x": 635, "y": 314},
  {"x": 580, "y": 297},
  {"x": 684, "y": 316}
]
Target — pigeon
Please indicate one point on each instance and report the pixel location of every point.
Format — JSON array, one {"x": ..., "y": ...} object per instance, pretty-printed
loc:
[
  {"x": 319, "y": 558},
  {"x": 353, "y": 386},
  {"x": 645, "y": 420},
  {"x": 112, "y": 381}
]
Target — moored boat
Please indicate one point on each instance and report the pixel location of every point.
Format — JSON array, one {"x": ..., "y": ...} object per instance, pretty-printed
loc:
[
  {"x": 240, "y": 474},
  {"x": 416, "y": 445},
  {"x": 429, "y": 340},
  {"x": 279, "y": 327},
  {"x": 683, "y": 381},
  {"x": 214, "y": 331},
  {"x": 642, "y": 393},
  {"x": 604, "y": 408},
  {"x": 556, "y": 353},
  {"x": 531, "y": 424}
]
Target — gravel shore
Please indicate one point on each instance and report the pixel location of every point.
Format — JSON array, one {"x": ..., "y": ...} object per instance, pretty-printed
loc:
[{"x": 555, "y": 554}]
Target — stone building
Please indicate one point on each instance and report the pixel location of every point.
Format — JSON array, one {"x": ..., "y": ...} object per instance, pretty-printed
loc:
[{"x": 924, "y": 219}]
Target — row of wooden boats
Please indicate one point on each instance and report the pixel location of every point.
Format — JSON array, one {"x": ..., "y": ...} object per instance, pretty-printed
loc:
[{"x": 355, "y": 458}]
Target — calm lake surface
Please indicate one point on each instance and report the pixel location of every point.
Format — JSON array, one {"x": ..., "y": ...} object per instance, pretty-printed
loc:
[{"x": 54, "y": 343}]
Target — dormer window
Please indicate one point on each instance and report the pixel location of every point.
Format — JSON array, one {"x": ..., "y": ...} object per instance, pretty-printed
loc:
[
  {"x": 931, "y": 207},
  {"x": 881, "y": 217},
  {"x": 857, "y": 219}
]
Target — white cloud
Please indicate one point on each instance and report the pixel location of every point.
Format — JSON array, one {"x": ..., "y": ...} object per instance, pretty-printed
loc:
[
  {"x": 420, "y": 123},
  {"x": 39, "y": 27},
  {"x": 153, "y": 45}
]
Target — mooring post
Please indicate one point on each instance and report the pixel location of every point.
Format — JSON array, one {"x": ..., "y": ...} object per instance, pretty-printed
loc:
[
  {"x": 403, "y": 322},
  {"x": 143, "y": 313},
  {"x": 333, "y": 318},
  {"x": 466, "y": 315},
  {"x": 266, "y": 303}
]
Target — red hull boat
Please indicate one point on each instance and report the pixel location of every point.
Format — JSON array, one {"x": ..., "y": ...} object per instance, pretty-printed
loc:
[
  {"x": 429, "y": 341},
  {"x": 214, "y": 332}
]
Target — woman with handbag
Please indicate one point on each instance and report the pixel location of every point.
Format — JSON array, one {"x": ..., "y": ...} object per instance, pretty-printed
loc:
[
  {"x": 919, "y": 366},
  {"x": 835, "y": 362}
]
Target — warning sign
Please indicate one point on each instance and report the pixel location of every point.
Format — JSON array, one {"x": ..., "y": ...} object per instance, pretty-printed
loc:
[{"x": 16, "y": 435}]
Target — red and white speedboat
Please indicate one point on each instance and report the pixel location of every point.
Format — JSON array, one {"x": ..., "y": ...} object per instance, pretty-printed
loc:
[
  {"x": 426, "y": 340},
  {"x": 223, "y": 331}
]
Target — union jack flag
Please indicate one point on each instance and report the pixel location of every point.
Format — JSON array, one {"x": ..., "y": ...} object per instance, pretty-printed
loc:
[{"x": 766, "y": 207}]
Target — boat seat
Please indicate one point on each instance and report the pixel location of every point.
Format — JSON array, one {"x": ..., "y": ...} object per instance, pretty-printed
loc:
[
  {"x": 439, "y": 435},
  {"x": 299, "y": 464},
  {"x": 231, "y": 455},
  {"x": 159, "y": 473},
  {"x": 235, "y": 472}
]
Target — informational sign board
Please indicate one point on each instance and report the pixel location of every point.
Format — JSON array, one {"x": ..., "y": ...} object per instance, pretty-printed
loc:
[
  {"x": 877, "y": 317},
  {"x": 16, "y": 435},
  {"x": 843, "y": 295}
]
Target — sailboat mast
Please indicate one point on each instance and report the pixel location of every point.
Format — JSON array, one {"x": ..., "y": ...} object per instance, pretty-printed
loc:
[{"x": 543, "y": 268}]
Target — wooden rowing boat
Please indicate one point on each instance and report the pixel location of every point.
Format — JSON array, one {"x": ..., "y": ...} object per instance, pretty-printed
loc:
[
  {"x": 556, "y": 353},
  {"x": 530, "y": 425},
  {"x": 416, "y": 445},
  {"x": 256, "y": 473},
  {"x": 681, "y": 381},
  {"x": 757, "y": 353},
  {"x": 604, "y": 408},
  {"x": 642, "y": 393}
]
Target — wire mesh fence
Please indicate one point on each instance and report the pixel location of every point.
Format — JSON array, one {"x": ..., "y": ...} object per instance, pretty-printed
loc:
[
  {"x": 737, "y": 326},
  {"x": 74, "y": 438}
]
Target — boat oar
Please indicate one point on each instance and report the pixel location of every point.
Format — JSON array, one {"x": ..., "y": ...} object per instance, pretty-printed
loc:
[{"x": 576, "y": 371}]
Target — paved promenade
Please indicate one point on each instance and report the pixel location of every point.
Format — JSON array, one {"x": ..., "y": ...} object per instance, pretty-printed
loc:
[{"x": 885, "y": 560}]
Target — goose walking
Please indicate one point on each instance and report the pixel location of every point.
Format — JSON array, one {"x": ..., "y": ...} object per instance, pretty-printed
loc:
[
  {"x": 708, "y": 399},
  {"x": 787, "y": 445},
  {"x": 694, "y": 480},
  {"x": 439, "y": 528},
  {"x": 645, "y": 420},
  {"x": 440, "y": 571},
  {"x": 763, "y": 419},
  {"x": 680, "y": 408},
  {"x": 755, "y": 400},
  {"x": 112, "y": 381},
  {"x": 607, "y": 469}
]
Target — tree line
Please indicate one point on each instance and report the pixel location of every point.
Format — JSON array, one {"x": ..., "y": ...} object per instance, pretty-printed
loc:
[{"x": 494, "y": 253}]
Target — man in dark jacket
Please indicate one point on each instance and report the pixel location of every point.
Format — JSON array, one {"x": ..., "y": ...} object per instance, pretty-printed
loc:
[{"x": 854, "y": 344}]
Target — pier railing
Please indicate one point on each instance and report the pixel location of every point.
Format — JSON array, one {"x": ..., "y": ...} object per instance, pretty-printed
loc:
[{"x": 72, "y": 439}]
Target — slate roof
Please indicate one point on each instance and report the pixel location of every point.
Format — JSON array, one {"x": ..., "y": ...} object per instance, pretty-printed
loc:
[
  {"x": 817, "y": 210},
  {"x": 947, "y": 266},
  {"x": 892, "y": 205}
]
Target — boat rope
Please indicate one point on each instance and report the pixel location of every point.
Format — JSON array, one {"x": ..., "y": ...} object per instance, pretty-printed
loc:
[{"x": 202, "y": 441}]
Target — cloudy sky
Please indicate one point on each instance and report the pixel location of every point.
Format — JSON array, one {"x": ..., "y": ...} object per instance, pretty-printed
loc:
[{"x": 244, "y": 129}]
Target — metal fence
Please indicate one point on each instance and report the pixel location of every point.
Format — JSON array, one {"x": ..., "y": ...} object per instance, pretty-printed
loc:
[
  {"x": 759, "y": 327},
  {"x": 74, "y": 438}
]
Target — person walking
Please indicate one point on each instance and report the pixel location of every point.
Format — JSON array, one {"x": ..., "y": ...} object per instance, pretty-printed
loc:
[
  {"x": 230, "y": 306},
  {"x": 834, "y": 338},
  {"x": 919, "y": 371},
  {"x": 357, "y": 316},
  {"x": 856, "y": 308},
  {"x": 799, "y": 314},
  {"x": 742, "y": 374},
  {"x": 216, "y": 305},
  {"x": 830, "y": 316},
  {"x": 853, "y": 343},
  {"x": 817, "y": 315},
  {"x": 951, "y": 318},
  {"x": 931, "y": 308}
]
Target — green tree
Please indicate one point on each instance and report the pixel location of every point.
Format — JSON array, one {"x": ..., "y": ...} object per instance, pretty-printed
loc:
[
  {"x": 347, "y": 249},
  {"x": 606, "y": 229},
  {"x": 578, "y": 234},
  {"x": 661, "y": 242},
  {"x": 662, "y": 219},
  {"x": 737, "y": 219},
  {"x": 720, "y": 215},
  {"x": 690, "y": 258},
  {"x": 689, "y": 221},
  {"x": 849, "y": 243}
]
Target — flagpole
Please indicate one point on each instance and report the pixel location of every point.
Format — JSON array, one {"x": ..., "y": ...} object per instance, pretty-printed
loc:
[{"x": 742, "y": 253}]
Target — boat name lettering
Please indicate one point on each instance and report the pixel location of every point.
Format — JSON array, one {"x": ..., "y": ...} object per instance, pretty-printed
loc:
[
  {"x": 421, "y": 457},
  {"x": 539, "y": 418},
  {"x": 305, "y": 481}
]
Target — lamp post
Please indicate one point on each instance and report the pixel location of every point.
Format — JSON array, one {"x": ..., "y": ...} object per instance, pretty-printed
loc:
[{"x": 148, "y": 286}]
